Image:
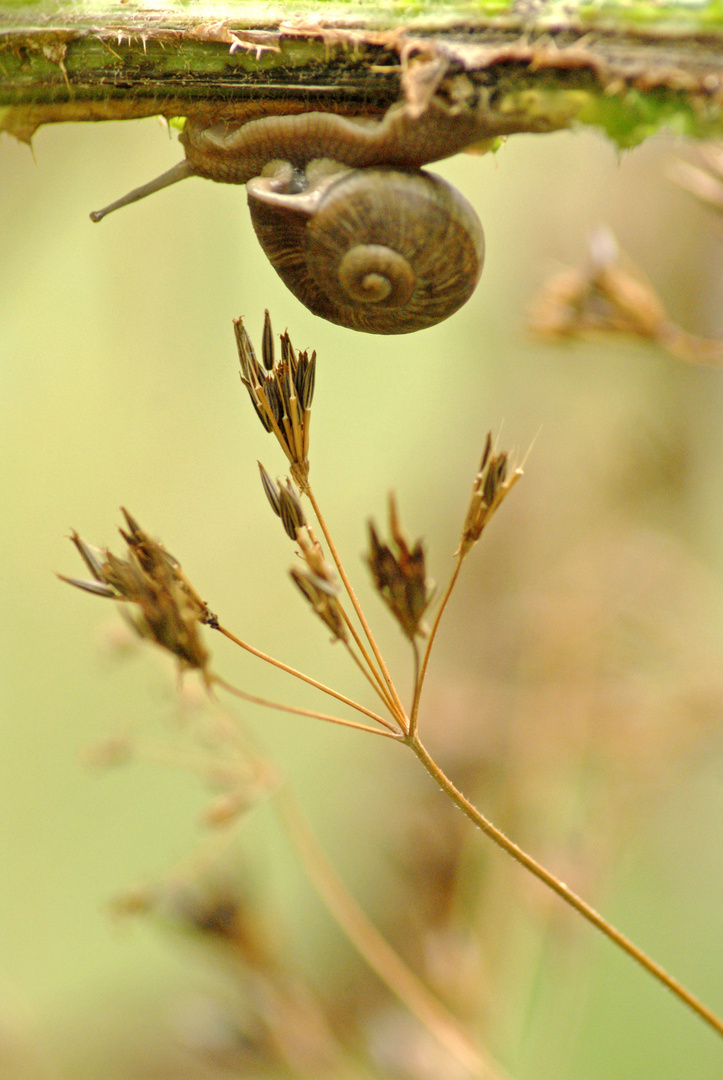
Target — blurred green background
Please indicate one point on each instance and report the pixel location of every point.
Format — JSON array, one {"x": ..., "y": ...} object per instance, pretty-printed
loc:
[{"x": 120, "y": 387}]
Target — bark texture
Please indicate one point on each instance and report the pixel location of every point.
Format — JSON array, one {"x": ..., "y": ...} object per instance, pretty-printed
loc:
[{"x": 520, "y": 67}]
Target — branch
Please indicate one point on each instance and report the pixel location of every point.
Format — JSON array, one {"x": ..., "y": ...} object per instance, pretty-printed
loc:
[{"x": 521, "y": 67}]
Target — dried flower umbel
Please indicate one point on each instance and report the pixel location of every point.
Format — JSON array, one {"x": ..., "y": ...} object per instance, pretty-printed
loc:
[
  {"x": 281, "y": 393},
  {"x": 169, "y": 612}
]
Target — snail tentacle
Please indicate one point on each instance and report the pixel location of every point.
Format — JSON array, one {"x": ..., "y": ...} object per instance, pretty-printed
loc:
[{"x": 177, "y": 172}]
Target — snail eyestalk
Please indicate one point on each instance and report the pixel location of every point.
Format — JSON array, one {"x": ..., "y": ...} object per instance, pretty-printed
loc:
[{"x": 177, "y": 172}]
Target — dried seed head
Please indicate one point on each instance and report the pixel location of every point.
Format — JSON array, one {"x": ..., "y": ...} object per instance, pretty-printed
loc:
[
  {"x": 285, "y": 502},
  {"x": 169, "y": 609},
  {"x": 281, "y": 393},
  {"x": 209, "y": 907},
  {"x": 291, "y": 510},
  {"x": 400, "y": 577},
  {"x": 267, "y": 343},
  {"x": 116, "y": 750},
  {"x": 313, "y": 556},
  {"x": 227, "y": 808},
  {"x": 325, "y": 604},
  {"x": 271, "y": 490},
  {"x": 490, "y": 487},
  {"x": 318, "y": 582}
]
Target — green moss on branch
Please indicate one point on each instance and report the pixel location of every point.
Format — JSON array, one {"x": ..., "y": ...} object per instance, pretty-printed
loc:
[{"x": 628, "y": 70}]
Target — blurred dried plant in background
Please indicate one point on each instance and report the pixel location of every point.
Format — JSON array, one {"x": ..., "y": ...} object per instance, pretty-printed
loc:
[
  {"x": 609, "y": 295},
  {"x": 703, "y": 176}
]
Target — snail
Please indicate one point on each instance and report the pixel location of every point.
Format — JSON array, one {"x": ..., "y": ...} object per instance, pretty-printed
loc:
[{"x": 354, "y": 227}]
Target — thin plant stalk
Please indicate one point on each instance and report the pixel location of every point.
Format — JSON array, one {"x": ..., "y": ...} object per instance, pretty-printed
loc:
[
  {"x": 368, "y": 670},
  {"x": 304, "y": 678},
  {"x": 371, "y": 671},
  {"x": 560, "y": 888},
  {"x": 416, "y": 684},
  {"x": 296, "y": 710},
  {"x": 419, "y": 680},
  {"x": 399, "y": 712}
]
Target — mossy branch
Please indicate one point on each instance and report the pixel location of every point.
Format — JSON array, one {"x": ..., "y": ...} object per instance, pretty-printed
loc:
[{"x": 534, "y": 66}]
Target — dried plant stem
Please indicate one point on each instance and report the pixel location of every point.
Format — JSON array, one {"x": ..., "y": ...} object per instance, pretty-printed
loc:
[
  {"x": 560, "y": 888},
  {"x": 298, "y": 711},
  {"x": 398, "y": 709},
  {"x": 374, "y": 948},
  {"x": 369, "y": 672},
  {"x": 415, "y": 683},
  {"x": 419, "y": 680},
  {"x": 304, "y": 678}
]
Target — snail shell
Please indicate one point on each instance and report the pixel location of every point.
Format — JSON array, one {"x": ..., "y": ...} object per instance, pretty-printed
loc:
[
  {"x": 355, "y": 229},
  {"x": 379, "y": 250}
]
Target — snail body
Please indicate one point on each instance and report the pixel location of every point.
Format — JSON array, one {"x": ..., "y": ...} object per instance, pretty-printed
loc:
[
  {"x": 356, "y": 230},
  {"x": 234, "y": 154}
]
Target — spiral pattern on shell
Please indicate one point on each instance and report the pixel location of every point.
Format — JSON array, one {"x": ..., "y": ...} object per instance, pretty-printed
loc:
[{"x": 382, "y": 250}]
